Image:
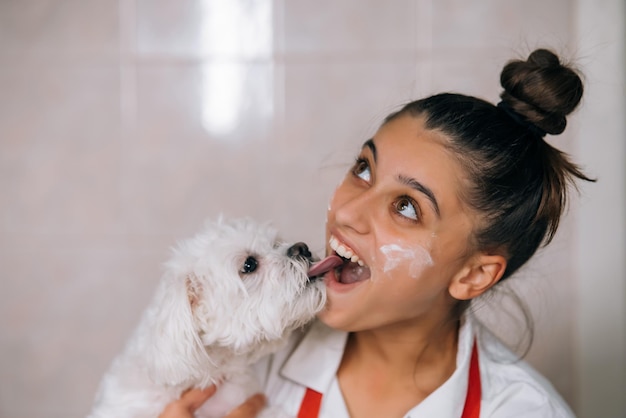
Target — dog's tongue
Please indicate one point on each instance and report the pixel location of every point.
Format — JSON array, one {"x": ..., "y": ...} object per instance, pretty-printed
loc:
[{"x": 325, "y": 265}]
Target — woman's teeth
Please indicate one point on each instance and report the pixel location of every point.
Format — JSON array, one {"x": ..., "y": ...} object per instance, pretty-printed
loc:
[{"x": 344, "y": 251}]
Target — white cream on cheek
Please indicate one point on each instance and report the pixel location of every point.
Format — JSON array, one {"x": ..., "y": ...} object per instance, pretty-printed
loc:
[{"x": 418, "y": 256}]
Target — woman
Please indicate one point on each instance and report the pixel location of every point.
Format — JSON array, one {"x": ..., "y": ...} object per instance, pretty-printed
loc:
[{"x": 450, "y": 197}]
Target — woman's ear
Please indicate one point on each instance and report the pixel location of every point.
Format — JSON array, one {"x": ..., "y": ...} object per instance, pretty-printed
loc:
[{"x": 477, "y": 276}]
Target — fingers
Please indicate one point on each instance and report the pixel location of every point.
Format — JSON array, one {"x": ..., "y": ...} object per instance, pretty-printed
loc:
[
  {"x": 188, "y": 403},
  {"x": 250, "y": 408},
  {"x": 194, "y": 398}
]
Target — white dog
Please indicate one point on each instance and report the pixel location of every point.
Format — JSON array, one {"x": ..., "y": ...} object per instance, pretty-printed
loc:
[{"x": 230, "y": 295}]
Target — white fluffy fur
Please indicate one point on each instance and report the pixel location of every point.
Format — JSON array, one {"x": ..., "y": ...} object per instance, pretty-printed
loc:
[{"x": 208, "y": 322}]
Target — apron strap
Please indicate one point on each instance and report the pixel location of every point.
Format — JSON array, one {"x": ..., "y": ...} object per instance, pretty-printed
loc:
[
  {"x": 472, "y": 401},
  {"x": 312, "y": 400},
  {"x": 310, "y": 406}
]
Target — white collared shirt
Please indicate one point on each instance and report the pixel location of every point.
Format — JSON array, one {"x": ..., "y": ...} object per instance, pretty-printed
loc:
[{"x": 510, "y": 387}]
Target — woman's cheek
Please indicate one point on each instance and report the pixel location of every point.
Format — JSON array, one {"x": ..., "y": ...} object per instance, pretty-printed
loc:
[{"x": 412, "y": 259}]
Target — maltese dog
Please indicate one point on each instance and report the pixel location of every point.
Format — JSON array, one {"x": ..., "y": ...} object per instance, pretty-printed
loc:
[{"x": 230, "y": 295}]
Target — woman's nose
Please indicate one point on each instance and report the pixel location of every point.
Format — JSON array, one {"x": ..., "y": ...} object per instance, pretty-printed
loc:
[
  {"x": 299, "y": 249},
  {"x": 353, "y": 210}
]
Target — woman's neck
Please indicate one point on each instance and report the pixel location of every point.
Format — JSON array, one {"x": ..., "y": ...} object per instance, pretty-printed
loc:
[
  {"x": 396, "y": 367},
  {"x": 407, "y": 347}
]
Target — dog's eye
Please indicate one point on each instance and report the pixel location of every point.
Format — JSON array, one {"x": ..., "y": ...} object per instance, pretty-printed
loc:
[{"x": 249, "y": 265}]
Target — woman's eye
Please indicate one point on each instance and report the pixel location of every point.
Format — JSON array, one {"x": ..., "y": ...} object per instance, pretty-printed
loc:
[
  {"x": 361, "y": 169},
  {"x": 405, "y": 207}
]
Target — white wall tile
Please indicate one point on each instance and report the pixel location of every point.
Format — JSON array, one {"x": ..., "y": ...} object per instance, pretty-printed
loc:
[
  {"x": 600, "y": 337},
  {"x": 64, "y": 298},
  {"x": 349, "y": 27},
  {"x": 59, "y": 27},
  {"x": 60, "y": 149},
  {"x": 514, "y": 24}
]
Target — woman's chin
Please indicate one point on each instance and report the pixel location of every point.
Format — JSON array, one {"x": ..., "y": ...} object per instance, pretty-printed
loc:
[{"x": 342, "y": 301}]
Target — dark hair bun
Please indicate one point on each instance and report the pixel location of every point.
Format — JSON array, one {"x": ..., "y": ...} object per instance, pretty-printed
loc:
[{"x": 541, "y": 90}]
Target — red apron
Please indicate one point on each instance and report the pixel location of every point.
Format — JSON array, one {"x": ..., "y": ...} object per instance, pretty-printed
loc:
[{"x": 310, "y": 406}]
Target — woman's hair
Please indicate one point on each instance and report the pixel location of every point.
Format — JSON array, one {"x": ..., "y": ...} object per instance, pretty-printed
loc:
[{"x": 515, "y": 180}]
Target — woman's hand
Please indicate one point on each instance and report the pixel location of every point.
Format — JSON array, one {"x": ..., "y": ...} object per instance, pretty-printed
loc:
[{"x": 193, "y": 399}]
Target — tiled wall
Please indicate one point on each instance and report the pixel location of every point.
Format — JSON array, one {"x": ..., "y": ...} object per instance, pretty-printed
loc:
[{"x": 124, "y": 124}]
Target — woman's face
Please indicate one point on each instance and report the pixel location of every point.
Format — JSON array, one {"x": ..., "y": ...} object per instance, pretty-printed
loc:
[{"x": 398, "y": 216}]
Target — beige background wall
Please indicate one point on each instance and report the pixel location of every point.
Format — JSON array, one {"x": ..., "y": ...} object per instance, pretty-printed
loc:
[{"x": 124, "y": 124}]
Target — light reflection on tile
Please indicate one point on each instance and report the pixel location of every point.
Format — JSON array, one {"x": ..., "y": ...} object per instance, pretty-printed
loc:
[
  {"x": 182, "y": 106},
  {"x": 201, "y": 28},
  {"x": 236, "y": 96},
  {"x": 236, "y": 29}
]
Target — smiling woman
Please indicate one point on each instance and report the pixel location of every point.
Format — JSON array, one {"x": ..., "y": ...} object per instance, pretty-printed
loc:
[
  {"x": 409, "y": 183},
  {"x": 451, "y": 196}
]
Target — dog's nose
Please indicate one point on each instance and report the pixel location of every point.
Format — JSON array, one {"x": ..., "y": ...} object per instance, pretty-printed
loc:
[{"x": 299, "y": 249}]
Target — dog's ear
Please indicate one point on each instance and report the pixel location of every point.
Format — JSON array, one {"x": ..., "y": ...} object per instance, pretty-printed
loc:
[{"x": 176, "y": 354}]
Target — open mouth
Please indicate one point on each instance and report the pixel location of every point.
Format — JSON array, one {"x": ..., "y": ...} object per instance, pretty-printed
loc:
[{"x": 348, "y": 267}]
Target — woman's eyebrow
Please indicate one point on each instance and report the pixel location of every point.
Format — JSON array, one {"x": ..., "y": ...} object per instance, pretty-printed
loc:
[
  {"x": 370, "y": 144},
  {"x": 416, "y": 185}
]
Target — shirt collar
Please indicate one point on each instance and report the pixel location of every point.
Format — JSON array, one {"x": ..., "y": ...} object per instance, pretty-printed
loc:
[
  {"x": 448, "y": 399},
  {"x": 315, "y": 361}
]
